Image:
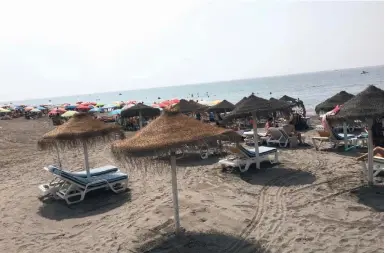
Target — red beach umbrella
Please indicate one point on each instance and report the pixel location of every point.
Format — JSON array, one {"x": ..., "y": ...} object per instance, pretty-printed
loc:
[{"x": 83, "y": 107}]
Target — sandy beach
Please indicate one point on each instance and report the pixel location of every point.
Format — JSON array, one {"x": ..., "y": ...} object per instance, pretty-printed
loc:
[{"x": 310, "y": 202}]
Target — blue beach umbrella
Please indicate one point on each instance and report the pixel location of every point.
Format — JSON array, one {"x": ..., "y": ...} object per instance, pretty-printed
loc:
[
  {"x": 95, "y": 109},
  {"x": 70, "y": 107},
  {"x": 109, "y": 106},
  {"x": 115, "y": 112},
  {"x": 41, "y": 108}
]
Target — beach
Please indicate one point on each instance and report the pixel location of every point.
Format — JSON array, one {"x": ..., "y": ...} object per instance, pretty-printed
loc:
[{"x": 312, "y": 201}]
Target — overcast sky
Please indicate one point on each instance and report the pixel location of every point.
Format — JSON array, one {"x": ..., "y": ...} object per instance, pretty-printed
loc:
[{"x": 54, "y": 48}]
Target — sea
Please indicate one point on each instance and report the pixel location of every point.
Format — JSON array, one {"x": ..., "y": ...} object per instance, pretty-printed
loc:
[{"x": 311, "y": 88}]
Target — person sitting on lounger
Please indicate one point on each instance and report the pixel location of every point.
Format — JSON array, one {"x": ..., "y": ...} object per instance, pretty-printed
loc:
[
  {"x": 289, "y": 128},
  {"x": 269, "y": 123},
  {"x": 377, "y": 151}
]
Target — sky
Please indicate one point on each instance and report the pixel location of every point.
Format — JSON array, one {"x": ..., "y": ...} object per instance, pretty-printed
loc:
[{"x": 57, "y": 48}]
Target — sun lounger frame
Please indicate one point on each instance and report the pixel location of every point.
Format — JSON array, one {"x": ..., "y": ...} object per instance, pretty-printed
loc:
[
  {"x": 244, "y": 162},
  {"x": 378, "y": 167},
  {"x": 65, "y": 188}
]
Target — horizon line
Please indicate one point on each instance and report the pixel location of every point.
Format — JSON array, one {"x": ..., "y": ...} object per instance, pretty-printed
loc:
[{"x": 192, "y": 84}]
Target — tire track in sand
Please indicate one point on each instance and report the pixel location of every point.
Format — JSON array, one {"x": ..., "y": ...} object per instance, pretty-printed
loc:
[
  {"x": 261, "y": 210},
  {"x": 276, "y": 226}
]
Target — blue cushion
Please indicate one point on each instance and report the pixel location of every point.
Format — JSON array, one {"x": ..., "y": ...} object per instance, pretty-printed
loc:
[
  {"x": 93, "y": 172},
  {"x": 97, "y": 171},
  {"x": 250, "y": 151},
  {"x": 110, "y": 177}
]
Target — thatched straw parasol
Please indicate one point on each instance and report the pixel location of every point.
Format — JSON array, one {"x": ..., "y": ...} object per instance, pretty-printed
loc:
[
  {"x": 185, "y": 106},
  {"x": 294, "y": 102},
  {"x": 338, "y": 99},
  {"x": 288, "y": 99},
  {"x": 368, "y": 106},
  {"x": 223, "y": 106},
  {"x": 240, "y": 101},
  {"x": 169, "y": 131},
  {"x": 140, "y": 110},
  {"x": 255, "y": 105},
  {"x": 201, "y": 107},
  {"x": 80, "y": 130}
]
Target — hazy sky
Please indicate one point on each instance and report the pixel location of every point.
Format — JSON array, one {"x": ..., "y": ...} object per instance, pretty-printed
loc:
[{"x": 54, "y": 48}]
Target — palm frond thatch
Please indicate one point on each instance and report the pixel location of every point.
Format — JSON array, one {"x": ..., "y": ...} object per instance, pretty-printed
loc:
[
  {"x": 185, "y": 106},
  {"x": 338, "y": 99},
  {"x": 240, "y": 101},
  {"x": 368, "y": 104},
  {"x": 171, "y": 130},
  {"x": 222, "y": 106},
  {"x": 140, "y": 109},
  {"x": 255, "y": 104},
  {"x": 79, "y": 129}
]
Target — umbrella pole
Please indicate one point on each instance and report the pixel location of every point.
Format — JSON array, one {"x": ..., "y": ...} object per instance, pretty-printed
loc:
[
  {"x": 58, "y": 155},
  {"x": 140, "y": 120},
  {"x": 175, "y": 192},
  {"x": 370, "y": 152},
  {"x": 86, "y": 164},
  {"x": 256, "y": 137},
  {"x": 345, "y": 129}
]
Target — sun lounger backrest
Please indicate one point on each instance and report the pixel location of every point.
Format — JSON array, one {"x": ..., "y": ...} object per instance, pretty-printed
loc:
[
  {"x": 275, "y": 133},
  {"x": 246, "y": 152},
  {"x": 284, "y": 134}
]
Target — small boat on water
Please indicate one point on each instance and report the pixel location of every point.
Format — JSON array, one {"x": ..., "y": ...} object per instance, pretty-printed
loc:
[{"x": 364, "y": 72}]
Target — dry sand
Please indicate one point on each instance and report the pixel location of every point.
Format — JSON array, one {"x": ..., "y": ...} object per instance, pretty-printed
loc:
[{"x": 310, "y": 202}]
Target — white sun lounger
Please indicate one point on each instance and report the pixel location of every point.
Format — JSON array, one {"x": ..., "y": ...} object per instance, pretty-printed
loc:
[
  {"x": 248, "y": 157},
  {"x": 335, "y": 139},
  {"x": 71, "y": 185},
  {"x": 378, "y": 167}
]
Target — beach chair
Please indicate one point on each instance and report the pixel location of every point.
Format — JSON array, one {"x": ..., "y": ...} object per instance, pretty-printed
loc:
[
  {"x": 378, "y": 170},
  {"x": 246, "y": 157},
  {"x": 75, "y": 185},
  {"x": 335, "y": 139},
  {"x": 277, "y": 137}
]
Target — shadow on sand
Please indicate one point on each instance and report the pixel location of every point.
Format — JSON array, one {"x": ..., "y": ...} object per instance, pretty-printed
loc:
[
  {"x": 193, "y": 160},
  {"x": 208, "y": 242},
  {"x": 276, "y": 176},
  {"x": 372, "y": 197},
  {"x": 95, "y": 202}
]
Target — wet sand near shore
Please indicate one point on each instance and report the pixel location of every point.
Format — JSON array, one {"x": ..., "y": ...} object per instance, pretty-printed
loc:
[{"x": 310, "y": 202}]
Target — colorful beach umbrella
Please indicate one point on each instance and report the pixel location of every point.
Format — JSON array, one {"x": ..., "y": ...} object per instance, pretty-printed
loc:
[
  {"x": 84, "y": 107},
  {"x": 28, "y": 108},
  {"x": 69, "y": 114},
  {"x": 3, "y": 110},
  {"x": 35, "y": 110},
  {"x": 56, "y": 111},
  {"x": 95, "y": 109},
  {"x": 115, "y": 112}
]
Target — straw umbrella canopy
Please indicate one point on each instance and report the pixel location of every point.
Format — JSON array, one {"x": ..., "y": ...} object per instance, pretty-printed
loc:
[
  {"x": 80, "y": 130},
  {"x": 185, "y": 106},
  {"x": 240, "y": 101},
  {"x": 294, "y": 102},
  {"x": 368, "y": 106},
  {"x": 201, "y": 106},
  {"x": 222, "y": 107},
  {"x": 338, "y": 99},
  {"x": 140, "y": 110},
  {"x": 166, "y": 133}
]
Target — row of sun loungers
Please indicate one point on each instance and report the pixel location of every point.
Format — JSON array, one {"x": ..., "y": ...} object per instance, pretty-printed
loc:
[{"x": 277, "y": 137}]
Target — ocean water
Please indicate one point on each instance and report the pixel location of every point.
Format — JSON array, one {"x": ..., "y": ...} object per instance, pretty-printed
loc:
[{"x": 311, "y": 88}]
